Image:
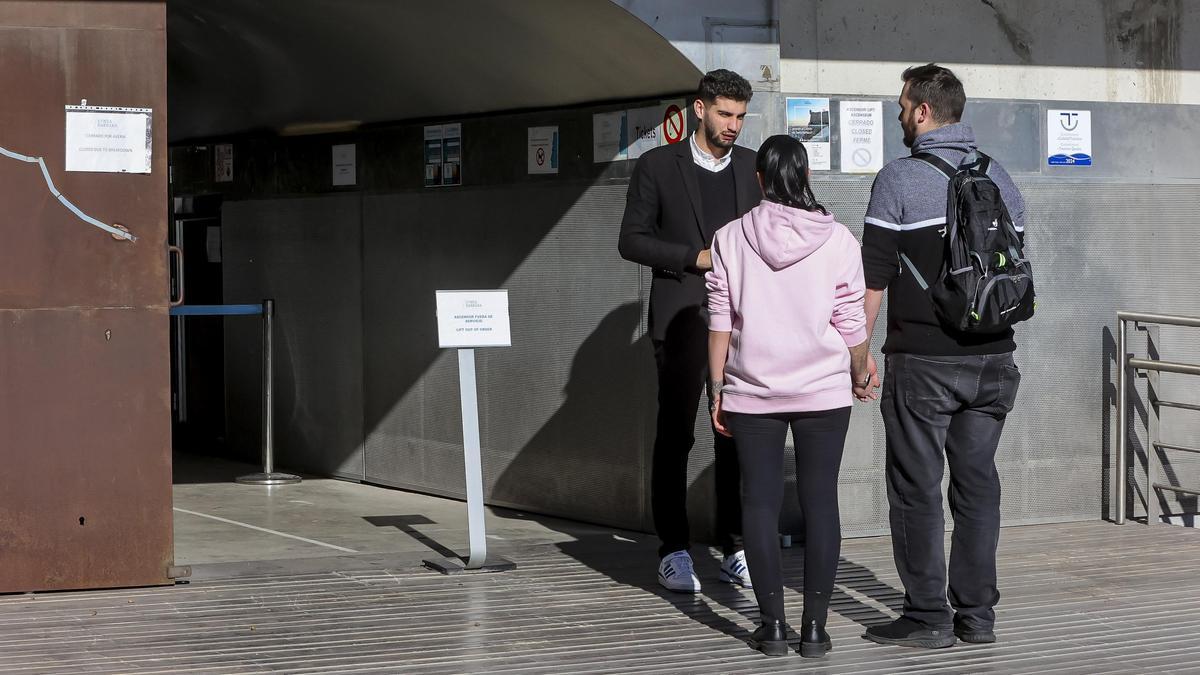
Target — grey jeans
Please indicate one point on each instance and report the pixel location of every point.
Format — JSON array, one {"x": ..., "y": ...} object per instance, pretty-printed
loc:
[{"x": 956, "y": 405}]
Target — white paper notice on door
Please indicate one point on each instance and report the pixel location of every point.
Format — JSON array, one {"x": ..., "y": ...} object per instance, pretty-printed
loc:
[{"x": 108, "y": 140}]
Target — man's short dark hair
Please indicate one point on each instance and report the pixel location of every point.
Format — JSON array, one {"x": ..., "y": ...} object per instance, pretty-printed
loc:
[
  {"x": 938, "y": 87},
  {"x": 725, "y": 83}
]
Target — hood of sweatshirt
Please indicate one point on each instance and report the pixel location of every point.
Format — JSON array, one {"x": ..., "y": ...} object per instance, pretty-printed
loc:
[
  {"x": 782, "y": 235},
  {"x": 957, "y": 136}
]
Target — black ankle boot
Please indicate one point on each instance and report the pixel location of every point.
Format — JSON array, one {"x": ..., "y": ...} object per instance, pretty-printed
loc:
[
  {"x": 814, "y": 641},
  {"x": 770, "y": 638}
]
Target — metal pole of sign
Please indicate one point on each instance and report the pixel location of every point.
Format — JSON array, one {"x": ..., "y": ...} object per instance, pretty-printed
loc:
[
  {"x": 472, "y": 458},
  {"x": 268, "y": 476},
  {"x": 476, "y": 527}
]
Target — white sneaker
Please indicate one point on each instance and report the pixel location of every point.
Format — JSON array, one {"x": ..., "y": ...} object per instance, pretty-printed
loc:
[
  {"x": 675, "y": 573},
  {"x": 735, "y": 571}
]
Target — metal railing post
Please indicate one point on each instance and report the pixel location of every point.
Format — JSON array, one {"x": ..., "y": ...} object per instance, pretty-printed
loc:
[
  {"x": 1153, "y": 468},
  {"x": 268, "y": 407},
  {"x": 1121, "y": 415},
  {"x": 268, "y": 476}
]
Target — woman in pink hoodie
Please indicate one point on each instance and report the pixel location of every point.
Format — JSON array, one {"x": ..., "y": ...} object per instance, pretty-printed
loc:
[{"x": 787, "y": 348}]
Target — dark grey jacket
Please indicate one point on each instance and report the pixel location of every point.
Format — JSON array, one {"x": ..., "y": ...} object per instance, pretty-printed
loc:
[{"x": 907, "y": 214}]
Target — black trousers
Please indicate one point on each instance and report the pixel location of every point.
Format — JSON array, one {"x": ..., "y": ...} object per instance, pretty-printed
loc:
[
  {"x": 682, "y": 360},
  {"x": 958, "y": 405},
  {"x": 819, "y": 438}
]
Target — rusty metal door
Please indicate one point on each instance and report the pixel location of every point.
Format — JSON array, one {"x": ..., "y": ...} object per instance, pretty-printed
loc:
[{"x": 85, "y": 446}]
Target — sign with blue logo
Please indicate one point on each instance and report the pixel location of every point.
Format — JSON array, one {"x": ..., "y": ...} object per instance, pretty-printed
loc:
[{"x": 1069, "y": 137}]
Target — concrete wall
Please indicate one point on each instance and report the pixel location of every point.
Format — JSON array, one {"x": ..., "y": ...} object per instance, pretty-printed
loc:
[{"x": 1143, "y": 51}]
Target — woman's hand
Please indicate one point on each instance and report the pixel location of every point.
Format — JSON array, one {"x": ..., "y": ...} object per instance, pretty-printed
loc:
[{"x": 718, "y": 417}]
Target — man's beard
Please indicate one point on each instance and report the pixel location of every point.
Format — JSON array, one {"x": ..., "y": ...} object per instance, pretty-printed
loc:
[{"x": 715, "y": 140}]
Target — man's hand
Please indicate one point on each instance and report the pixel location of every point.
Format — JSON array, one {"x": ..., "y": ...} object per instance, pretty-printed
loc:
[
  {"x": 704, "y": 260},
  {"x": 865, "y": 383}
]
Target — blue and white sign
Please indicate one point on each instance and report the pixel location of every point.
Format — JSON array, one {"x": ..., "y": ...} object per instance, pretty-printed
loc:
[{"x": 1069, "y": 137}]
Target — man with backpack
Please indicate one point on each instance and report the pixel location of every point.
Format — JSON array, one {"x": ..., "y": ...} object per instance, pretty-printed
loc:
[{"x": 944, "y": 236}]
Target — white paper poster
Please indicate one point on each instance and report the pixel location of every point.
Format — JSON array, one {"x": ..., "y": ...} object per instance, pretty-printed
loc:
[
  {"x": 1069, "y": 137},
  {"x": 452, "y": 154},
  {"x": 473, "y": 319},
  {"x": 344, "y": 165},
  {"x": 644, "y": 128},
  {"x": 543, "y": 150},
  {"x": 212, "y": 243},
  {"x": 609, "y": 136},
  {"x": 110, "y": 140},
  {"x": 862, "y": 136},
  {"x": 443, "y": 154},
  {"x": 808, "y": 121},
  {"x": 223, "y": 163}
]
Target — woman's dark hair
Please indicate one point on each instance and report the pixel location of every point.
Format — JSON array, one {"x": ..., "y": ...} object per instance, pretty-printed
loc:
[{"x": 783, "y": 163}]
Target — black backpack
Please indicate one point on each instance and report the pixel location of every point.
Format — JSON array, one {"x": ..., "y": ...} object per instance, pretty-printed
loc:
[{"x": 986, "y": 283}]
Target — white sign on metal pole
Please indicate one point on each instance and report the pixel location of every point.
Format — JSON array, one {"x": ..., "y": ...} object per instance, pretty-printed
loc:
[
  {"x": 469, "y": 319},
  {"x": 473, "y": 319}
]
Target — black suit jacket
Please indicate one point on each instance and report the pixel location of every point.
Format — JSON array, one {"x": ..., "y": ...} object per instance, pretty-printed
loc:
[{"x": 663, "y": 228}]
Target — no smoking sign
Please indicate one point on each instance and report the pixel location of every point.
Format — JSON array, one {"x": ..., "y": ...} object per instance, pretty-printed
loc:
[{"x": 674, "y": 124}]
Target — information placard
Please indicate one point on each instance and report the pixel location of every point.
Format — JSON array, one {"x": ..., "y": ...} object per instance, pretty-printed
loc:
[
  {"x": 108, "y": 140},
  {"x": 469, "y": 319}
]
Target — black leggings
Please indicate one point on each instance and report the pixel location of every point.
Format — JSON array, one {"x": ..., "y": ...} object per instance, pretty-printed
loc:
[{"x": 819, "y": 438}]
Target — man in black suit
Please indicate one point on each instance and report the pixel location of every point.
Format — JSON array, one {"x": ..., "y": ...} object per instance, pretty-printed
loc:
[{"x": 679, "y": 196}]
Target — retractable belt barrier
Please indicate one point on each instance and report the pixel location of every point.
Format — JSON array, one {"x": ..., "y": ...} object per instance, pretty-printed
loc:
[{"x": 266, "y": 310}]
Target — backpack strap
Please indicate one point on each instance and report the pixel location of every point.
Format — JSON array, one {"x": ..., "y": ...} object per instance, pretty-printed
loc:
[
  {"x": 948, "y": 170},
  {"x": 982, "y": 161},
  {"x": 943, "y": 167},
  {"x": 916, "y": 275}
]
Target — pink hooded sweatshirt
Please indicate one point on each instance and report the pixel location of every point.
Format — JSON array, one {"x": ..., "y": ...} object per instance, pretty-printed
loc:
[{"x": 788, "y": 284}]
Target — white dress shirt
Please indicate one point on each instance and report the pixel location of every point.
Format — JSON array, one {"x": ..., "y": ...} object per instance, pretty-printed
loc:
[{"x": 705, "y": 160}]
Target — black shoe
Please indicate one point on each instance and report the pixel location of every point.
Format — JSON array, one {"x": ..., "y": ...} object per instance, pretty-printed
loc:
[
  {"x": 908, "y": 633},
  {"x": 770, "y": 638},
  {"x": 978, "y": 636},
  {"x": 814, "y": 641}
]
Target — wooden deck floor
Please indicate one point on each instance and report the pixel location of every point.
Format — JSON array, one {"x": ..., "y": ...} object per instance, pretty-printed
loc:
[{"x": 1077, "y": 598}]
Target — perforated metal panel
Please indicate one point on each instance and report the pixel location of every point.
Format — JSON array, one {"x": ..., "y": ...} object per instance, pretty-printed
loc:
[
  {"x": 567, "y": 411},
  {"x": 1096, "y": 250},
  {"x": 305, "y": 254},
  {"x": 562, "y": 410}
]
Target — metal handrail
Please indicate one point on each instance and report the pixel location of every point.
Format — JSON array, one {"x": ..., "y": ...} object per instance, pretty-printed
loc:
[
  {"x": 1164, "y": 319},
  {"x": 1181, "y": 406},
  {"x": 1176, "y": 488},
  {"x": 1181, "y": 448},
  {"x": 1155, "y": 366}
]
